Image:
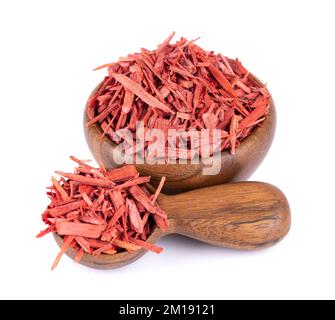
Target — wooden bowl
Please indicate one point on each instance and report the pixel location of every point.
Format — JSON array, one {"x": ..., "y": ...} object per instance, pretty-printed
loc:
[{"x": 184, "y": 177}]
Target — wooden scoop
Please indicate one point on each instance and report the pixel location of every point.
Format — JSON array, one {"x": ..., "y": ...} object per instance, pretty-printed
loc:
[{"x": 243, "y": 215}]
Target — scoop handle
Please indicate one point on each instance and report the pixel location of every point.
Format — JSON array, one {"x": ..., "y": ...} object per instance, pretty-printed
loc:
[{"x": 242, "y": 215}]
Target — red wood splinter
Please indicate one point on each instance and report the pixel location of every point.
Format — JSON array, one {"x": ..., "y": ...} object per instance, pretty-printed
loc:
[
  {"x": 179, "y": 86},
  {"x": 102, "y": 212}
]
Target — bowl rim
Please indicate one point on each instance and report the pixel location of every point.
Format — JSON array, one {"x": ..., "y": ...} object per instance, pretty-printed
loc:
[{"x": 258, "y": 130}]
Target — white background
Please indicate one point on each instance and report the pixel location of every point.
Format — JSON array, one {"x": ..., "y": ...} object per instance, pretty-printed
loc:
[{"x": 48, "y": 49}]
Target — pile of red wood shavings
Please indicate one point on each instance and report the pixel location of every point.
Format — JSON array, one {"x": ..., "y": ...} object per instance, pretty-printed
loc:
[
  {"x": 103, "y": 212},
  {"x": 179, "y": 86}
]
